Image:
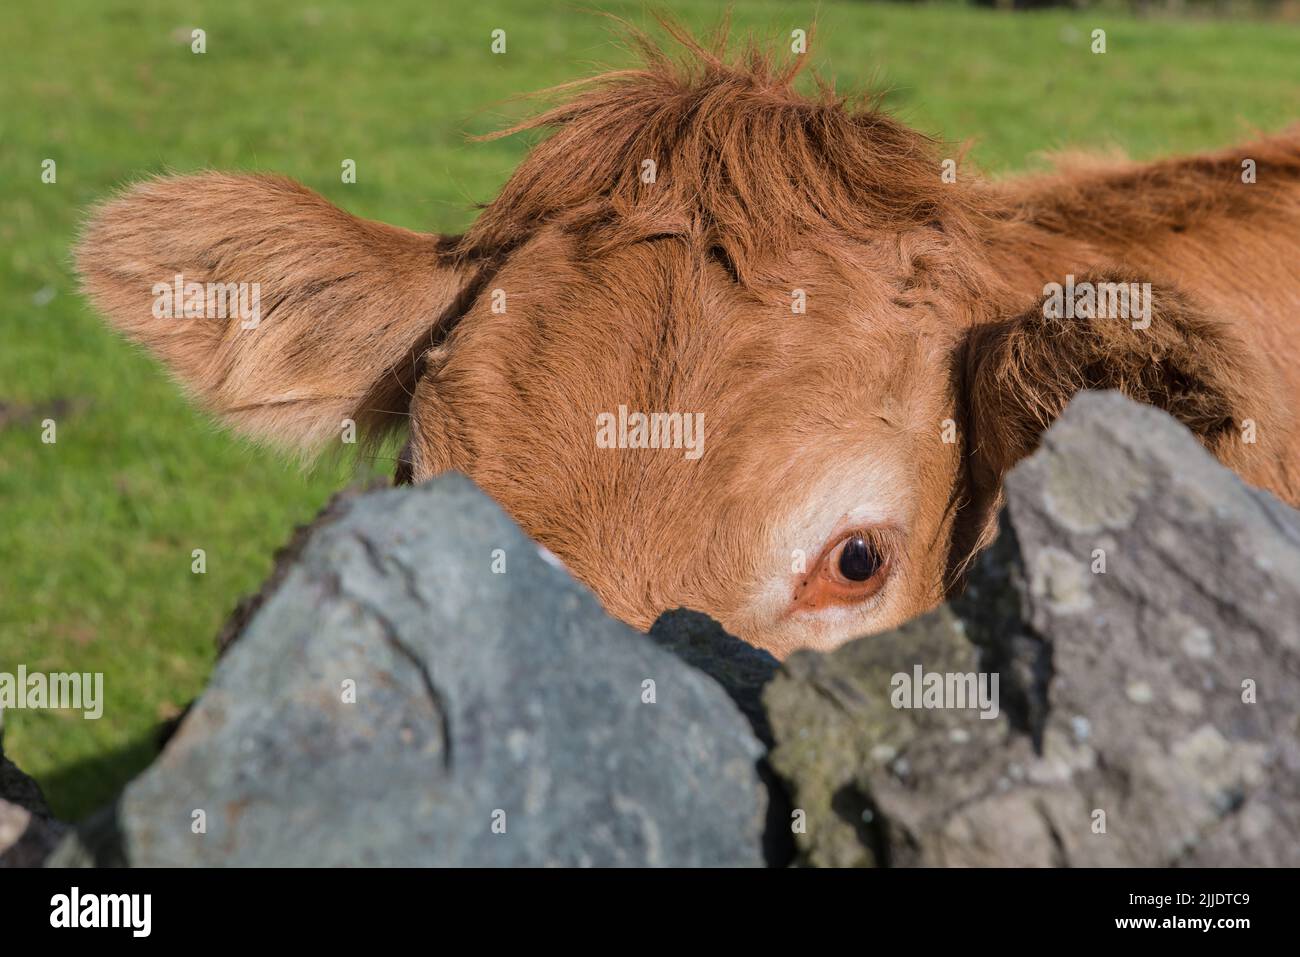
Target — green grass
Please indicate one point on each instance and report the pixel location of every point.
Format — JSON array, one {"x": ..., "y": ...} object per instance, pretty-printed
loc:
[{"x": 96, "y": 531}]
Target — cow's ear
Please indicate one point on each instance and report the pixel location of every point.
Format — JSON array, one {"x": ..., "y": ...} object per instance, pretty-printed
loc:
[
  {"x": 1152, "y": 342},
  {"x": 283, "y": 315}
]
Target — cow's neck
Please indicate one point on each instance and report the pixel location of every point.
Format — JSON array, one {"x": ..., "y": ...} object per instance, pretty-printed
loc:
[{"x": 1224, "y": 225}]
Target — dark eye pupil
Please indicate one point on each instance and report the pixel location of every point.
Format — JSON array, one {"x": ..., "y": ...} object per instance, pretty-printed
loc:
[{"x": 858, "y": 561}]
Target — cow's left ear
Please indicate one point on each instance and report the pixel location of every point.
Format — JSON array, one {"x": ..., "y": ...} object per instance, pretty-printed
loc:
[{"x": 1152, "y": 342}]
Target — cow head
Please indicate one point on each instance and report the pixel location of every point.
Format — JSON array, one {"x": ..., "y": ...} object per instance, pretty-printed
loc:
[{"x": 715, "y": 345}]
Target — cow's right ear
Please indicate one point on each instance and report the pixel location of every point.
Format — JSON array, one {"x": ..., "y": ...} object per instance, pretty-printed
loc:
[
  {"x": 280, "y": 313},
  {"x": 1018, "y": 374}
]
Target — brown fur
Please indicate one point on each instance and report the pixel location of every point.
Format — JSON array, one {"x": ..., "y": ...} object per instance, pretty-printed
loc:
[{"x": 923, "y": 306}]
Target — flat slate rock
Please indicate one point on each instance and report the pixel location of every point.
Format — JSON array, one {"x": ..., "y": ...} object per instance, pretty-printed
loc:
[{"x": 499, "y": 718}]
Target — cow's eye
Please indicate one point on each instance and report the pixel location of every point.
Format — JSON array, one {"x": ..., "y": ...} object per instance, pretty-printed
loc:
[
  {"x": 859, "y": 561},
  {"x": 851, "y": 569}
]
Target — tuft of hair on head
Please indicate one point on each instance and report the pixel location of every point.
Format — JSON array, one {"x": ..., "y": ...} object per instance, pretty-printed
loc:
[{"x": 741, "y": 159}]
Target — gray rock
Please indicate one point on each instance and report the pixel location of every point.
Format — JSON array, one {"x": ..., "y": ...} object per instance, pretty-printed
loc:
[
  {"x": 1148, "y": 712},
  {"x": 741, "y": 669},
  {"x": 285, "y": 559},
  {"x": 483, "y": 703},
  {"x": 29, "y": 831}
]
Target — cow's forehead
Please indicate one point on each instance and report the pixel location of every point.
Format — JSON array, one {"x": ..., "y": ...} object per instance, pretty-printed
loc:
[
  {"x": 659, "y": 337},
  {"x": 660, "y": 327}
]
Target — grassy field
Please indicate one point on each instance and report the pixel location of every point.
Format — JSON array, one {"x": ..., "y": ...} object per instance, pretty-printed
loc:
[{"x": 96, "y": 530}]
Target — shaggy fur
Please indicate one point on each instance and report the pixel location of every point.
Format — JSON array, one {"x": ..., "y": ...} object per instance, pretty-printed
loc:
[{"x": 923, "y": 309}]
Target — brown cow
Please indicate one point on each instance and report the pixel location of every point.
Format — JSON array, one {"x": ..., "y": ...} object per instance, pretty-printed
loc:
[{"x": 837, "y": 349}]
